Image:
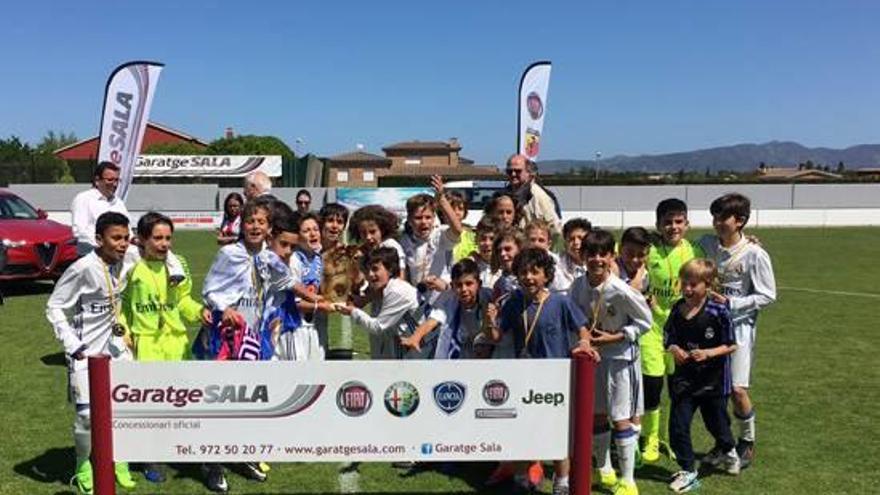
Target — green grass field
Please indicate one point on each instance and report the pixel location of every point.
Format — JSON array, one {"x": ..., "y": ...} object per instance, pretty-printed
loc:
[{"x": 816, "y": 389}]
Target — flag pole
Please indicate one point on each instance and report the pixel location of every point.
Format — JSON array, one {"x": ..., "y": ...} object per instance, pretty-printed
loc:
[{"x": 102, "y": 431}]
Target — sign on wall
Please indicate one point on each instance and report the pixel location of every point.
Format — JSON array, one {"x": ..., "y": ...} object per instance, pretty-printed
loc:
[
  {"x": 340, "y": 411},
  {"x": 206, "y": 165}
]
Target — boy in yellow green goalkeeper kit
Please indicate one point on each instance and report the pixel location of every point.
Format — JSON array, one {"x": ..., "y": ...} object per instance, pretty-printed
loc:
[
  {"x": 156, "y": 309},
  {"x": 665, "y": 259}
]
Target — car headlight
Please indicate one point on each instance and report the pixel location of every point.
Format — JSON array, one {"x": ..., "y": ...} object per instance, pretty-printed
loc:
[{"x": 9, "y": 243}]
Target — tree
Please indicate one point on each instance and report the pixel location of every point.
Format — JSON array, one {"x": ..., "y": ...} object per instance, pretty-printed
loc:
[
  {"x": 251, "y": 145},
  {"x": 809, "y": 165},
  {"x": 840, "y": 168},
  {"x": 181, "y": 148},
  {"x": 15, "y": 161},
  {"x": 46, "y": 166}
]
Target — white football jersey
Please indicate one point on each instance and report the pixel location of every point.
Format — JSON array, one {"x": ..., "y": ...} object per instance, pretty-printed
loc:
[
  {"x": 80, "y": 309},
  {"x": 745, "y": 274},
  {"x": 614, "y": 307}
]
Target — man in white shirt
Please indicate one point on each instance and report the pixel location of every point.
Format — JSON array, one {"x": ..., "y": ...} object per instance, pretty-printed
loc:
[{"x": 87, "y": 206}]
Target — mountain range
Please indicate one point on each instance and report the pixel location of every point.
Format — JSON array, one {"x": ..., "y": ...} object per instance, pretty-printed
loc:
[{"x": 740, "y": 158}]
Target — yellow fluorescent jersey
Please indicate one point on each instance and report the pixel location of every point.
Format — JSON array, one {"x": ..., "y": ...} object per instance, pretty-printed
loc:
[{"x": 152, "y": 306}]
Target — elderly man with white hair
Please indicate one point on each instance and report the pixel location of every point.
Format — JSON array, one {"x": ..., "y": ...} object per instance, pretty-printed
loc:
[
  {"x": 256, "y": 184},
  {"x": 534, "y": 200}
]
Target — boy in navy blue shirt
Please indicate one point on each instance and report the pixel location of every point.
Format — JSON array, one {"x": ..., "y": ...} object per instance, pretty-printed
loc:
[
  {"x": 542, "y": 322},
  {"x": 699, "y": 335}
]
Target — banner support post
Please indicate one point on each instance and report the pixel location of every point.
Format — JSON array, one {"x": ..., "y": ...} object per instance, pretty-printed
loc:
[
  {"x": 582, "y": 436},
  {"x": 102, "y": 431}
]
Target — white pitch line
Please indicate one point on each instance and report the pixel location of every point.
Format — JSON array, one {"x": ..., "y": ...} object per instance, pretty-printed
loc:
[
  {"x": 348, "y": 478},
  {"x": 832, "y": 292}
]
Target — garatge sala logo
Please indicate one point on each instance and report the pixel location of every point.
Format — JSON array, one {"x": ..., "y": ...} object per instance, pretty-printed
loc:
[{"x": 234, "y": 401}]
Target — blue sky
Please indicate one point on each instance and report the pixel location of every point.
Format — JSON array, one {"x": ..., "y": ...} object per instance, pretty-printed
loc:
[{"x": 628, "y": 77}]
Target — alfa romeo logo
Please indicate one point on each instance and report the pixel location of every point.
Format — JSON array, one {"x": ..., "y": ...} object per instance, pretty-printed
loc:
[{"x": 401, "y": 399}]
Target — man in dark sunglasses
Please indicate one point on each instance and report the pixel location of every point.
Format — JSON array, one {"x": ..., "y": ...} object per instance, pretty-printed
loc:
[{"x": 536, "y": 200}]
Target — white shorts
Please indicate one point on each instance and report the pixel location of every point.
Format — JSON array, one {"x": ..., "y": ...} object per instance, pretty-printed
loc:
[
  {"x": 302, "y": 344},
  {"x": 618, "y": 392},
  {"x": 78, "y": 374},
  {"x": 78, "y": 381},
  {"x": 742, "y": 358}
]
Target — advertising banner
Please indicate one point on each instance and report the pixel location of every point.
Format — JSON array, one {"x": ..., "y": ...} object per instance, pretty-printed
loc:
[
  {"x": 392, "y": 198},
  {"x": 341, "y": 411},
  {"x": 127, "y": 101},
  {"x": 206, "y": 165},
  {"x": 533, "y": 89}
]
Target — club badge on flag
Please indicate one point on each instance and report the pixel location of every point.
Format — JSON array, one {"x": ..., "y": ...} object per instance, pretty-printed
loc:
[
  {"x": 533, "y": 88},
  {"x": 127, "y": 101}
]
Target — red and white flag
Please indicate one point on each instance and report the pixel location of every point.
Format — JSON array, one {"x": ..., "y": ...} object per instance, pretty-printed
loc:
[{"x": 532, "y": 107}]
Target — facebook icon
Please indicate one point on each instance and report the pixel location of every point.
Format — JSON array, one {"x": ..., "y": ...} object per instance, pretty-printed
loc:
[{"x": 427, "y": 449}]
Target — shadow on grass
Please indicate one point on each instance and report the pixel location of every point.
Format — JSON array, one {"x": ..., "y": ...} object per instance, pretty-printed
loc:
[
  {"x": 53, "y": 467},
  {"x": 17, "y": 289},
  {"x": 56, "y": 359}
]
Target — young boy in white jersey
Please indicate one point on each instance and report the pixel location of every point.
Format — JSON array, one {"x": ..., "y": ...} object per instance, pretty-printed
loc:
[
  {"x": 617, "y": 317},
  {"x": 635, "y": 245},
  {"x": 747, "y": 286},
  {"x": 571, "y": 264},
  {"x": 429, "y": 247},
  {"x": 539, "y": 235},
  {"x": 238, "y": 290},
  {"x": 485, "y": 236},
  {"x": 84, "y": 310},
  {"x": 393, "y": 303}
]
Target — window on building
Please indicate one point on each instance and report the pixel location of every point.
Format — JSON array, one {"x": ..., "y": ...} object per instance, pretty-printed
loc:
[
  {"x": 369, "y": 176},
  {"x": 342, "y": 176},
  {"x": 413, "y": 160}
]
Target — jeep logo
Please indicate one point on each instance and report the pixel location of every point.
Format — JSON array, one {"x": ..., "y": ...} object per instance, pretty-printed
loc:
[{"x": 552, "y": 398}]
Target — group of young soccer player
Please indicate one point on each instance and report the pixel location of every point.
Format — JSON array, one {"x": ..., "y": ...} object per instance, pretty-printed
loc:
[{"x": 649, "y": 307}]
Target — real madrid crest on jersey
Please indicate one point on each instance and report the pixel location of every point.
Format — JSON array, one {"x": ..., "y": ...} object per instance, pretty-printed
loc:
[
  {"x": 710, "y": 333},
  {"x": 449, "y": 396}
]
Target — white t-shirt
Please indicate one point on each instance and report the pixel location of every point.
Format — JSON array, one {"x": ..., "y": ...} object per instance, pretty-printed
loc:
[
  {"x": 395, "y": 313},
  {"x": 85, "y": 209},
  {"x": 431, "y": 256},
  {"x": 566, "y": 272}
]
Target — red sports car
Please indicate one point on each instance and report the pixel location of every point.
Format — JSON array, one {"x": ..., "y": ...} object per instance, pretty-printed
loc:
[{"x": 32, "y": 246}]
